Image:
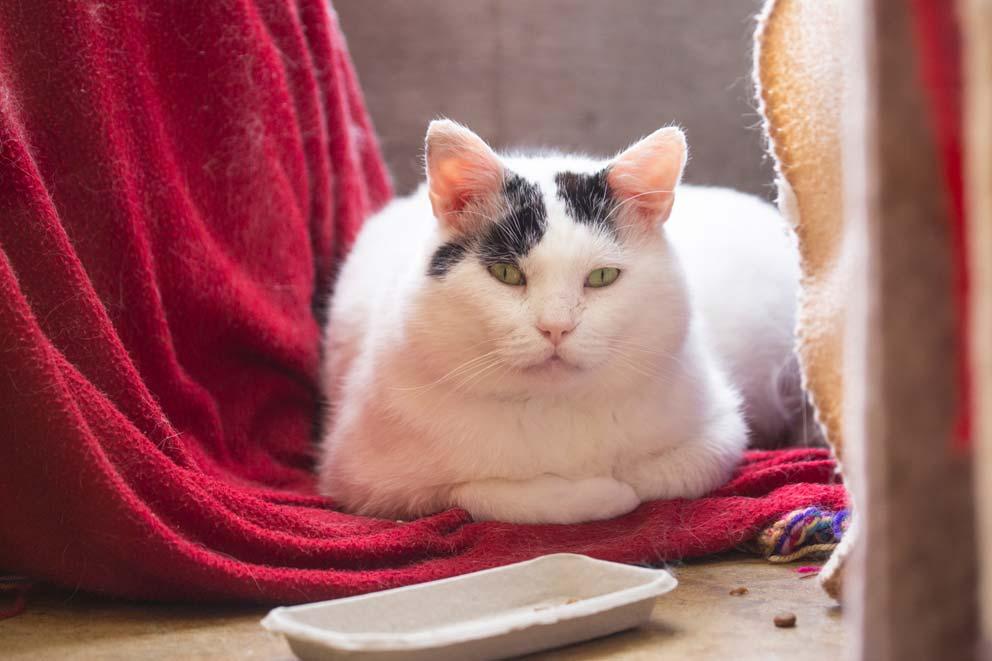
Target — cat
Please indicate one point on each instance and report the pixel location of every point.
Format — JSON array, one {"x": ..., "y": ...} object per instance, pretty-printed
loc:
[{"x": 553, "y": 339}]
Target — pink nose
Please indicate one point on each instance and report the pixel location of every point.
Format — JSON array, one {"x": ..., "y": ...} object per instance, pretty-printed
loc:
[{"x": 556, "y": 330}]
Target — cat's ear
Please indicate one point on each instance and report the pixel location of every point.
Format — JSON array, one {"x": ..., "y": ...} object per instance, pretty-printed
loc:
[
  {"x": 461, "y": 170},
  {"x": 643, "y": 178}
]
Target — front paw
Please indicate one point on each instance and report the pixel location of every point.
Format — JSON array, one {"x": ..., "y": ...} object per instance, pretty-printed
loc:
[
  {"x": 688, "y": 471},
  {"x": 545, "y": 499},
  {"x": 598, "y": 498}
]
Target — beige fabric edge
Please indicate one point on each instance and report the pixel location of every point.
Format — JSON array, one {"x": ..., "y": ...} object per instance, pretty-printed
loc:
[
  {"x": 820, "y": 324},
  {"x": 803, "y": 199},
  {"x": 977, "y": 41}
]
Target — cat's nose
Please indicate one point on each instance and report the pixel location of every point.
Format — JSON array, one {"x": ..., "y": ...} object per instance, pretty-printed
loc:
[{"x": 555, "y": 330}]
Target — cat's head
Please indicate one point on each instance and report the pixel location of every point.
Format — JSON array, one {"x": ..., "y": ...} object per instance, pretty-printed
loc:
[{"x": 551, "y": 273}]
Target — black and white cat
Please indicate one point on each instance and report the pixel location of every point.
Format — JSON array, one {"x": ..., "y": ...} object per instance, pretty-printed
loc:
[{"x": 554, "y": 339}]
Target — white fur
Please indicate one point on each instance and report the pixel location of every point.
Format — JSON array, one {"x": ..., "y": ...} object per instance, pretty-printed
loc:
[{"x": 432, "y": 402}]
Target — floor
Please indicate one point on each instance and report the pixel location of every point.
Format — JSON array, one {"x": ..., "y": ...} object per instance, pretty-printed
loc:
[{"x": 699, "y": 620}]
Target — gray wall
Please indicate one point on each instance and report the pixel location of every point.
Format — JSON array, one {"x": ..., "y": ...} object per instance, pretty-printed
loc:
[{"x": 583, "y": 75}]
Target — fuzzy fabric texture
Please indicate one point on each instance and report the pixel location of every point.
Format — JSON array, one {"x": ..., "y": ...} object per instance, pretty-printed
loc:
[
  {"x": 176, "y": 182},
  {"x": 800, "y": 89},
  {"x": 799, "y": 80}
]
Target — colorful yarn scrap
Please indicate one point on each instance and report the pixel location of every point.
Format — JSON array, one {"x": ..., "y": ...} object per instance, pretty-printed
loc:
[{"x": 803, "y": 533}]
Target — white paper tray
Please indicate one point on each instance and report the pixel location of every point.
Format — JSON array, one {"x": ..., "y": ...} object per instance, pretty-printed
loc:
[{"x": 547, "y": 602}]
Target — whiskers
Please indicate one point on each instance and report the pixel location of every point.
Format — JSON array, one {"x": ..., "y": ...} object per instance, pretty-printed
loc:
[
  {"x": 470, "y": 372},
  {"x": 469, "y": 369},
  {"x": 495, "y": 367},
  {"x": 648, "y": 361},
  {"x": 629, "y": 360}
]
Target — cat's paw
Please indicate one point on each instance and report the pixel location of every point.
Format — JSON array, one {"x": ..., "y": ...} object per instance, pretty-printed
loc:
[
  {"x": 688, "y": 471},
  {"x": 545, "y": 499},
  {"x": 594, "y": 499}
]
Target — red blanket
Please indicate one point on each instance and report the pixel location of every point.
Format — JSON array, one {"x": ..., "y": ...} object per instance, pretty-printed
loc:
[{"x": 176, "y": 181}]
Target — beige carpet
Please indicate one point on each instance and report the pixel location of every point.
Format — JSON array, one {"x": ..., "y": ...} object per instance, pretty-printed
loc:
[{"x": 699, "y": 620}]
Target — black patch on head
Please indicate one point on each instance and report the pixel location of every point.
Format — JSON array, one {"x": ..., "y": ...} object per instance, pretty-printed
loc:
[
  {"x": 506, "y": 240},
  {"x": 587, "y": 198},
  {"x": 445, "y": 258},
  {"x": 520, "y": 229}
]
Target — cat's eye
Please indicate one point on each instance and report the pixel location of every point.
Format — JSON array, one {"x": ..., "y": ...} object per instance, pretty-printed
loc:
[
  {"x": 507, "y": 274},
  {"x": 602, "y": 277}
]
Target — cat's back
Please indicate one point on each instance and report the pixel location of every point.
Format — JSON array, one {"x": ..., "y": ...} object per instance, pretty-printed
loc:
[
  {"x": 387, "y": 242},
  {"x": 389, "y": 246},
  {"x": 742, "y": 267},
  {"x": 381, "y": 269}
]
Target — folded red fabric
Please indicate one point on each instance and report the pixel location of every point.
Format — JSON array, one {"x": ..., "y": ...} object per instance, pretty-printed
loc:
[{"x": 177, "y": 180}]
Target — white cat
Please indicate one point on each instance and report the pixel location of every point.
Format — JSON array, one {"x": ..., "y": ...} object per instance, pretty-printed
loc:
[{"x": 529, "y": 339}]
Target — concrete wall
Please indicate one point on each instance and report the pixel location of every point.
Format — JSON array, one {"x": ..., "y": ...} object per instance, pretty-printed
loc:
[{"x": 580, "y": 75}]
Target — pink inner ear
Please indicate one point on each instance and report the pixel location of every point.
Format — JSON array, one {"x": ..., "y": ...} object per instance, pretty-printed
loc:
[
  {"x": 457, "y": 180},
  {"x": 461, "y": 170},
  {"x": 645, "y": 176}
]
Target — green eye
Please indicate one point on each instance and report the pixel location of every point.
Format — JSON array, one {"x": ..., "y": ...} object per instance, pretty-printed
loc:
[
  {"x": 603, "y": 277},
  {"x": 507, "y": 274}
]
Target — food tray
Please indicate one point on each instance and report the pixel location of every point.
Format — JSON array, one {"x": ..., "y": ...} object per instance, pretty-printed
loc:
[{"x": 547, "y": 602}]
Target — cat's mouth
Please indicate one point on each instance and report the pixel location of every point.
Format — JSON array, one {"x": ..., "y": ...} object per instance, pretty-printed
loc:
[{"x": 553, "y": 363}]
